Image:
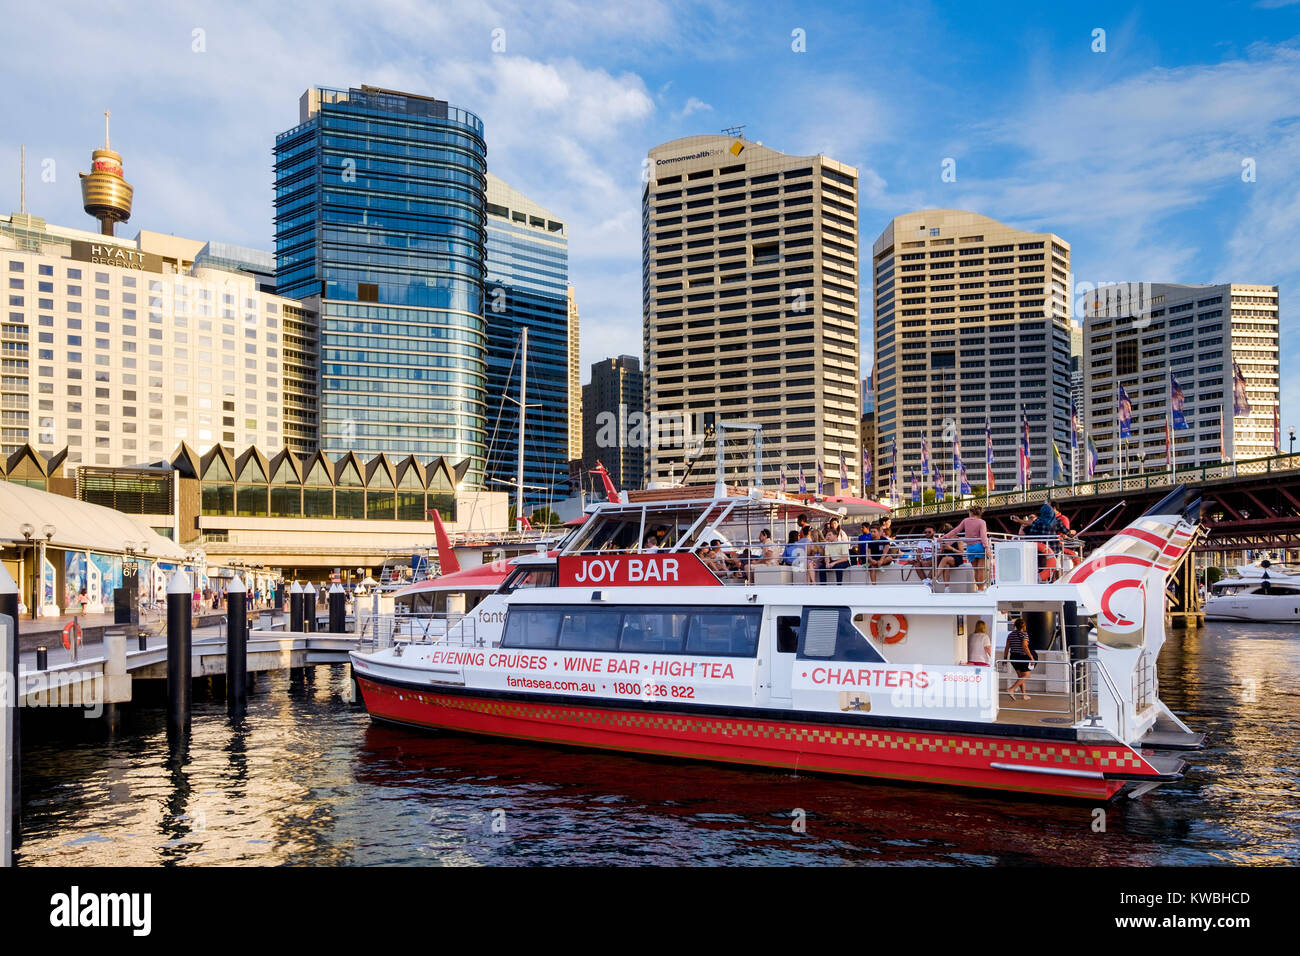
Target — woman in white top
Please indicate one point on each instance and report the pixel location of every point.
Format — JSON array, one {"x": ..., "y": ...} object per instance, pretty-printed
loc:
[{"x": 979, "y": 646}]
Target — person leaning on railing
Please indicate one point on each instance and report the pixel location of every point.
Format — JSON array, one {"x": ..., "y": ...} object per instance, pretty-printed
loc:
[{"x": 974, "y": 531}]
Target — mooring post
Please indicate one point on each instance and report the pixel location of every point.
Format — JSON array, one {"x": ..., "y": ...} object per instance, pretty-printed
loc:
[
  {"x": 11, "y": 742},
  {"x": 179, "y": 645},
  {"x": 114, "y": 676},
  {"x": 236, "y": 647},
  {"x": 295, "y": 608},
  {"x": 338, "y": 609}
]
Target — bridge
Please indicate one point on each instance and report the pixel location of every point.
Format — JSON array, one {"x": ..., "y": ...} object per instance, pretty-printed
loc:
[{"x": 1251, "y": 505}]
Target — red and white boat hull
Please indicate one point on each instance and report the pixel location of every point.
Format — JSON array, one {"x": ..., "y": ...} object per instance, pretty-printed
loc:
[{"x": 788, "y": 741}]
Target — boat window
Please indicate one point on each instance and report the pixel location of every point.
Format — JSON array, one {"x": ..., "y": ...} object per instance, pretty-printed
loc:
[
  {"x": 828, "y": 634},
  {"x": 653, "y": 632},
  {"x": 532, "y": 627},
  {"x": 701, "y": 631},
  {"x": 787, "y": 634},
  {"x": 590, "y": 630},
  {"x": 1275, "y": 589},
  {"x": 530, "y": 578},
  {"x": 723, "y": 633}
]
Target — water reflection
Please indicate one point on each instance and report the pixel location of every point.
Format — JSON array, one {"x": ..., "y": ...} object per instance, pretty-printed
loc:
[{"x": 306, "y": 778}]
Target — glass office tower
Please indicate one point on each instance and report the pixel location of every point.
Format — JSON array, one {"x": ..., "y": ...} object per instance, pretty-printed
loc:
[
  {"x": 527, "y": 286},
  {"x": 379, "y": 220}
]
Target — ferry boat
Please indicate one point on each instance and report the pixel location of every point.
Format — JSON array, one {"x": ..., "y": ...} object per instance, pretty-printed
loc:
[{"x": 667, "y": 626}]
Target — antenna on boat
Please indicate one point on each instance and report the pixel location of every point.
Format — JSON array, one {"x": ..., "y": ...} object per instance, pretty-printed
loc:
[{"x": 720, "y": 486}]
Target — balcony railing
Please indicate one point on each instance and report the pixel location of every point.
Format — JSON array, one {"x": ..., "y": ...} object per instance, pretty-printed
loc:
[{"x": 1108, "y": 486}]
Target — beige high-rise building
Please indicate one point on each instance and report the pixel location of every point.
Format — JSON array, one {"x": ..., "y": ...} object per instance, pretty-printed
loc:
[
  {"x": 750, "y": 307},
  {"x": 971, "y": 329},
  {"x": 575, "y": 383},
  {"x": 1138, "y": 335}
]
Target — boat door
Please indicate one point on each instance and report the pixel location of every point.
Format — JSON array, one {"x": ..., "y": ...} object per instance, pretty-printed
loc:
[{"x": 783, "y": 625}]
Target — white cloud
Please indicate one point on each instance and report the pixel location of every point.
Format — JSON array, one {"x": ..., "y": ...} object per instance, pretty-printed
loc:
[{"x": 693, "y": 105}]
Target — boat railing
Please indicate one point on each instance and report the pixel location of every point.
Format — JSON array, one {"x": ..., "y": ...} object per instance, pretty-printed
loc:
[
  {"x": 381, "y": 631},
  {"x": 1072, "y": 686},
  {"x": 938, "y": 562}
]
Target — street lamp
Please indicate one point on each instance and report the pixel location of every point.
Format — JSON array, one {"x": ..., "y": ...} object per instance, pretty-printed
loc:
[{"x": 1291, "y": 434}]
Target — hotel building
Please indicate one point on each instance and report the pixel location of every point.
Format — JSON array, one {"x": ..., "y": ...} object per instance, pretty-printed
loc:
[
  {"x": 750, "y": 306},
  {"x": 528, "y": 287},
  {"x": 380, "y": 228},
  {"x": 121, "y": 349},
  {"x": 1136, "y": 334},
  {"x": 971, "y": 324}
]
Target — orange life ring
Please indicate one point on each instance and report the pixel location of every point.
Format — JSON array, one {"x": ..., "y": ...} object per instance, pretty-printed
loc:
[
  {"x": 886, "y": 633},
  {"x": 72, "y": 627}
]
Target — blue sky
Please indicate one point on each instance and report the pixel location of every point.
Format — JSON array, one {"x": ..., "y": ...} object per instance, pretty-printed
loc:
[{"x": 1134, "y": 155}]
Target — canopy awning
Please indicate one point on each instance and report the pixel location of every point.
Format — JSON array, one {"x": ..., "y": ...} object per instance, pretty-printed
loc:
[{"x": 78, "y": 525}]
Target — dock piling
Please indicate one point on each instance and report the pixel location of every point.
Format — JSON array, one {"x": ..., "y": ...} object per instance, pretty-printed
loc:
[
  {"x": 236, "y": 647},
  {"x": 10, "y": 747},
  {"x": 338, "y": 609},
  {"x": 295, "y": 608},
  {"x": 179, "y": 649}
]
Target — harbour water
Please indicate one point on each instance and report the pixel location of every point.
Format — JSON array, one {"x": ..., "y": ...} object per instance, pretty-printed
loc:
[{"x": 305, "y": 778}]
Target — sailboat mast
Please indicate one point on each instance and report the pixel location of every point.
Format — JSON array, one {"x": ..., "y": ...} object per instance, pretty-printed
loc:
[{"x": 523, "y": 411}]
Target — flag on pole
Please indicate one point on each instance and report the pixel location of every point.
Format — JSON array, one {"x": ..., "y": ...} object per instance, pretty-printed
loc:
[
  {"x": 1240, "y": 403},
  {"x": 803, "y": 482},
  {"x": 1125, "y": 414},
  {"x": 1058, "y": 467},
  {"x": 844, "y": 474},
  {"x": 1223, "y": 444},
  {"x": 1025, "y": 470},
  {"x": 821, "y": 479},
  {"x": 965, "y": 482},
  {"x": 1093, "y": 457},
  {"x": 939, "y": 486},
  {"x": 1176, "y": 400},
  {"x": 916, "y": 487},
  {"x": 893, "y": 471},
  {"x": 925, "y": 455},
  {"x": 782, "y": 479},
  {"x": 1074, "y": 424},
  {"x": 1169, "y": 443},
  {"x": 866, "y": 471},
  {"x": 957, "y": 464},
  {"x": 1277, "y": 432},
  {"x": 988, "y": 457}
]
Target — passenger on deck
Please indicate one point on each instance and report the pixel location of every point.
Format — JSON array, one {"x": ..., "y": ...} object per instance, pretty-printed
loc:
[
  {"x": 837, "y": 550},
  {"x": 923, "y": 554},
  {"x": 952, "y": 554},
  {"x": 729, "y": 564},
  {"x": 979, "y": 646},
  {"x": 861, "y": 555},
  {"x": 882, "y": 549},
  {"x": 816, "y": 555},
  {"x": 767, "y": 554},
  {"x": 974, "y": 531},
  {"x": 650, "y": 544},
  {"x": 793, "y": 554},
  {"x": 1021, "y": 656}
]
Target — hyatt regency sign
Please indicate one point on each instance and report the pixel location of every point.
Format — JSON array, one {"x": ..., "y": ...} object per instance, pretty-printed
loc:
[{"x": 108, "y": 254}]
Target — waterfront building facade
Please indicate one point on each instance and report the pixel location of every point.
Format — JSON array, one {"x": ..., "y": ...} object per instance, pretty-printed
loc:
[
  {"x": 1137, "y": 334},
  {"x": 613, "y": 409},
  {"x": 971, "y": 327},
  {"x": 380, "y": 228},
  {"x": 120, "y": 349},
  {"x": 528, "y": 287},
  {"x": 750, "y": 306}
]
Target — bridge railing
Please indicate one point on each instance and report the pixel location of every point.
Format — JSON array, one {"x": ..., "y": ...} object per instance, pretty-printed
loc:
[{"x": 1109, "y": 485}]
